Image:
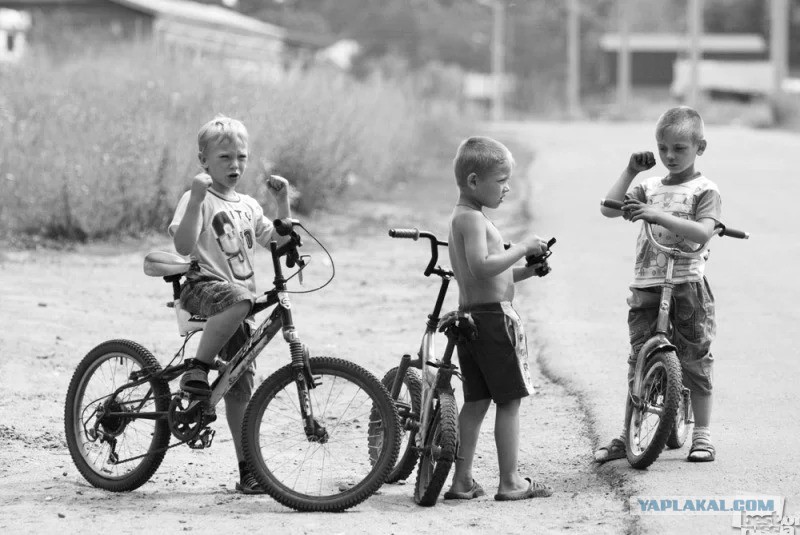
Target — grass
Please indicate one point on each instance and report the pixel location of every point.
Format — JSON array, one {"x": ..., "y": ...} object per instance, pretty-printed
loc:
[{"x": 104, "y": 144}]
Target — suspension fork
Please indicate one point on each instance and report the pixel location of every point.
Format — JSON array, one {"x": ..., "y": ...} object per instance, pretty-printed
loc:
[{"x": 300, "y": 365}]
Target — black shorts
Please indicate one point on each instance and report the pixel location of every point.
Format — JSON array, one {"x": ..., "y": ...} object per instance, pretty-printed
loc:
[{"x": 495, "y": 365}]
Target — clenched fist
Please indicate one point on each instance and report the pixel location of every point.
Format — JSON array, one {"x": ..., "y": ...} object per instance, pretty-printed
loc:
[
  {"x": 200, "y": 185},
  {"x": 277, "y": 186},
  {"x": 641, "y": 161}
]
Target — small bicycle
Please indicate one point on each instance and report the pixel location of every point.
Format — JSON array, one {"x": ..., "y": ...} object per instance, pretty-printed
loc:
[
  {"x": 320, "y": 433},
  {"x": 659, "y": 412},
  {"x": 427, "y": 407}
]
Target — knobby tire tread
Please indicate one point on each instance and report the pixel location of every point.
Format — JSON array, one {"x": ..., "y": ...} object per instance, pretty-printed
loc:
[
  {"x": 161, "y": 436},
  {"x": 671, "y": 401},
  {"x": 407, "y": 459},
  {"x": 444, "y": 425},
  {"x": 356, "y": 494}
]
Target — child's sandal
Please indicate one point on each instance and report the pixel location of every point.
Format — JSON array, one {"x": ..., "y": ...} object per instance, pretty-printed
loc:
[
  {"x": 613, "y": 451},
  {"x": 702, "y": 451}
]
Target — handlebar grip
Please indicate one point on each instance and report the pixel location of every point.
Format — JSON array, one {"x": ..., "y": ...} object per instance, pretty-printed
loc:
[
  {"x": 411, "y": 233},
  {"x": 734, "y": 233},
  {"x": 610, "y": 203},
  {"x": 284, "y": 226}
]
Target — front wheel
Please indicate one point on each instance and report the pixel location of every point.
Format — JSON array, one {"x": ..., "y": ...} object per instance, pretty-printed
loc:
[
  {"x": 438, "y": 452},
  {"x": 652, "y": 421},
  {"x": 683, "y": 422},
  {"x": 114, "y": 433},
  {"x": 337, "y": 466}
]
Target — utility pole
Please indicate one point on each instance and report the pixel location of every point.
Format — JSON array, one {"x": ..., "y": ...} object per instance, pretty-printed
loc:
[
  {"x": 498, "y": 59},
  {"x": 623, "y": 58},
  {"x": 695, "y": 18},
  {"x": 573, "y": 59},
  {"x": 779, "y": 43}
]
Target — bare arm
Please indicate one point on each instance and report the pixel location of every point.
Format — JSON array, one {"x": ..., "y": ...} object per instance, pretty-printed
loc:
[
  {"x": 480, "y": 262},
  {"x": 526, "y": 272},
  {"x": 699, "y": 231},
  {"x": 639, "y": 161},
  {"x": 191, "y": 224}
]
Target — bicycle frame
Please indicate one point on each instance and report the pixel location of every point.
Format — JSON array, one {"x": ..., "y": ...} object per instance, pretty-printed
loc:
[
  {"x": 427, "y": 350},
  {"x": 280, "y": 319},
  {"x": 660, "y": 339}
]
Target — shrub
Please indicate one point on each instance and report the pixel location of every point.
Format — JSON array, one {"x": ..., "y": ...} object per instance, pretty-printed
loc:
[{"x": 104, "y": 144}]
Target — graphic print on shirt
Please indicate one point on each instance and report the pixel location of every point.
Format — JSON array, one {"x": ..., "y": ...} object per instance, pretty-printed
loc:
[{"x": 231, "y": 244}]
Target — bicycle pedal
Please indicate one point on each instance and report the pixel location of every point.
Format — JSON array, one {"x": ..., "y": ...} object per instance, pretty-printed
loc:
[{"x": 203, "y": 440}]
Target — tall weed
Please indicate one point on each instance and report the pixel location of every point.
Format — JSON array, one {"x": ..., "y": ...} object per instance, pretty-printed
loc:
[{"x": 105, "y": 144}]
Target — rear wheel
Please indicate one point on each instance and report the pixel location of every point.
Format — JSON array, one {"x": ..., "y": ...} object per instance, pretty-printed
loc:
[
  {"x": 438, "y": 451},
  {"x": 111, "y": 445},
  {"x": 652, "y": 421},
  {"x": 347, "y": 457},
  {"x": 408, "y": 409}
]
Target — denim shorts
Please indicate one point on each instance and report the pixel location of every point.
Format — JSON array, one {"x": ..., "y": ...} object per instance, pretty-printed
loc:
[
  {"x": 208, "y": 297},
  {"x": 693, "y": 328},
  {"x": 495, "y": 365}
]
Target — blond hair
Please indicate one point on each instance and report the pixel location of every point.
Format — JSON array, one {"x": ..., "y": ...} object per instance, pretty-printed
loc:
[
  {"x": 220, "y": 128},
  {"x": 479, "y": 155},
  {"x": 682, "y": 120}
]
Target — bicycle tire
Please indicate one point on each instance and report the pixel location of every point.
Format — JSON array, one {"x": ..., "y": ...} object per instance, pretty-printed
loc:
[
  {"x": 316, "y": 476},
  {"x": 411, "y": 395},
  {"x": 661, "y": 389},
  {"x": 439, "y": 451},
  {"x": 681, "y": 426},
  {"x": 99, "y": 374}
]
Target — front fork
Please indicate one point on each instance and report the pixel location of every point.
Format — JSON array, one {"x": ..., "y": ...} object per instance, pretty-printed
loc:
[{"x": 303, "y": 378}]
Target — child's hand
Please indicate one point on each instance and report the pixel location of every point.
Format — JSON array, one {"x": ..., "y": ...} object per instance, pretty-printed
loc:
[
  {"x": 200, "y": 185},
  {"x": 641, "y": 161},
  {"x": 278, "y": 187},
  {"x": 534, "y": 245},
  {"x": 637, "y": 211}
]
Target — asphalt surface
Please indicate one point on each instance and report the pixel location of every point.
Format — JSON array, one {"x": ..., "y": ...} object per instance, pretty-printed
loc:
[{"x": 581, "y": 310}]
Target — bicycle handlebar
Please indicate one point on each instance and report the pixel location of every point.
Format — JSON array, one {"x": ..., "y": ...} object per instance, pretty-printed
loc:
[
  {"x": 411, "y": 233},
  {"x": 720, "y": 229},
  {"x": 415, "y": 234}
]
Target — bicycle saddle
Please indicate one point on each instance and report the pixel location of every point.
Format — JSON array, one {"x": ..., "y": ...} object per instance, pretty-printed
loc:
[
  {"x": 164, "y": 264},
  {"x": 459, "y": 324}
]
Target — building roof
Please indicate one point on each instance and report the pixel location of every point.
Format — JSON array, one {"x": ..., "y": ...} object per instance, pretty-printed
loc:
[
  {"x": 206, "y": 13},
  {"x": 669, "y": 42}
]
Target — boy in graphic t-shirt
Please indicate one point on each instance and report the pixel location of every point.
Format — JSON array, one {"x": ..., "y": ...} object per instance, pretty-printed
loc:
[
  {"x": 218, "y": 228},
  {"x": 684, "y": 206}
]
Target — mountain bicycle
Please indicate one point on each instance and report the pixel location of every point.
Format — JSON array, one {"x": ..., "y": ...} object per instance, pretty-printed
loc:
[
  {"x": 425, "y": 400},
  {"x": 658, "y": 410},
  {"x": 320, "y": 434}
]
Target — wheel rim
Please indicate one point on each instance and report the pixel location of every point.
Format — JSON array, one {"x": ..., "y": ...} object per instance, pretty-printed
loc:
[
  {"x": 646, "y": 419},
  {"x": 94, "y": 432},
  {"x": 321, "y": 469}
]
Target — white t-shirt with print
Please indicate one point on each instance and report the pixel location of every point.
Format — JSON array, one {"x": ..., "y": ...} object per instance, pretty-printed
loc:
[
  {"x": 694, "y": 200},
  {"x": 230, "y": 227}
]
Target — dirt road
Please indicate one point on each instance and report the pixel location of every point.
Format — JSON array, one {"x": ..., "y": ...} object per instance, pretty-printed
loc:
[{"x": 56, "y": 306}]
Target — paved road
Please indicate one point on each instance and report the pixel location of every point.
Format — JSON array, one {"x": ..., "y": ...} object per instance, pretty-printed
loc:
[{"x": 581, "y": 310}]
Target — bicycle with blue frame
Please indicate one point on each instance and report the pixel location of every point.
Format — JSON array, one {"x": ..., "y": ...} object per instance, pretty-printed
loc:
[
  {"x": 320, "y": 433},
  {"x": 658, "y": 410}
]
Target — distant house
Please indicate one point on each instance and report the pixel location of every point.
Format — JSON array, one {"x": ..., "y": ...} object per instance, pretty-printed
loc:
[
  {"x": 176, "y": 25},
  {"x": 653, "y": 55},
  {"x": 14, "y": 26}
]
